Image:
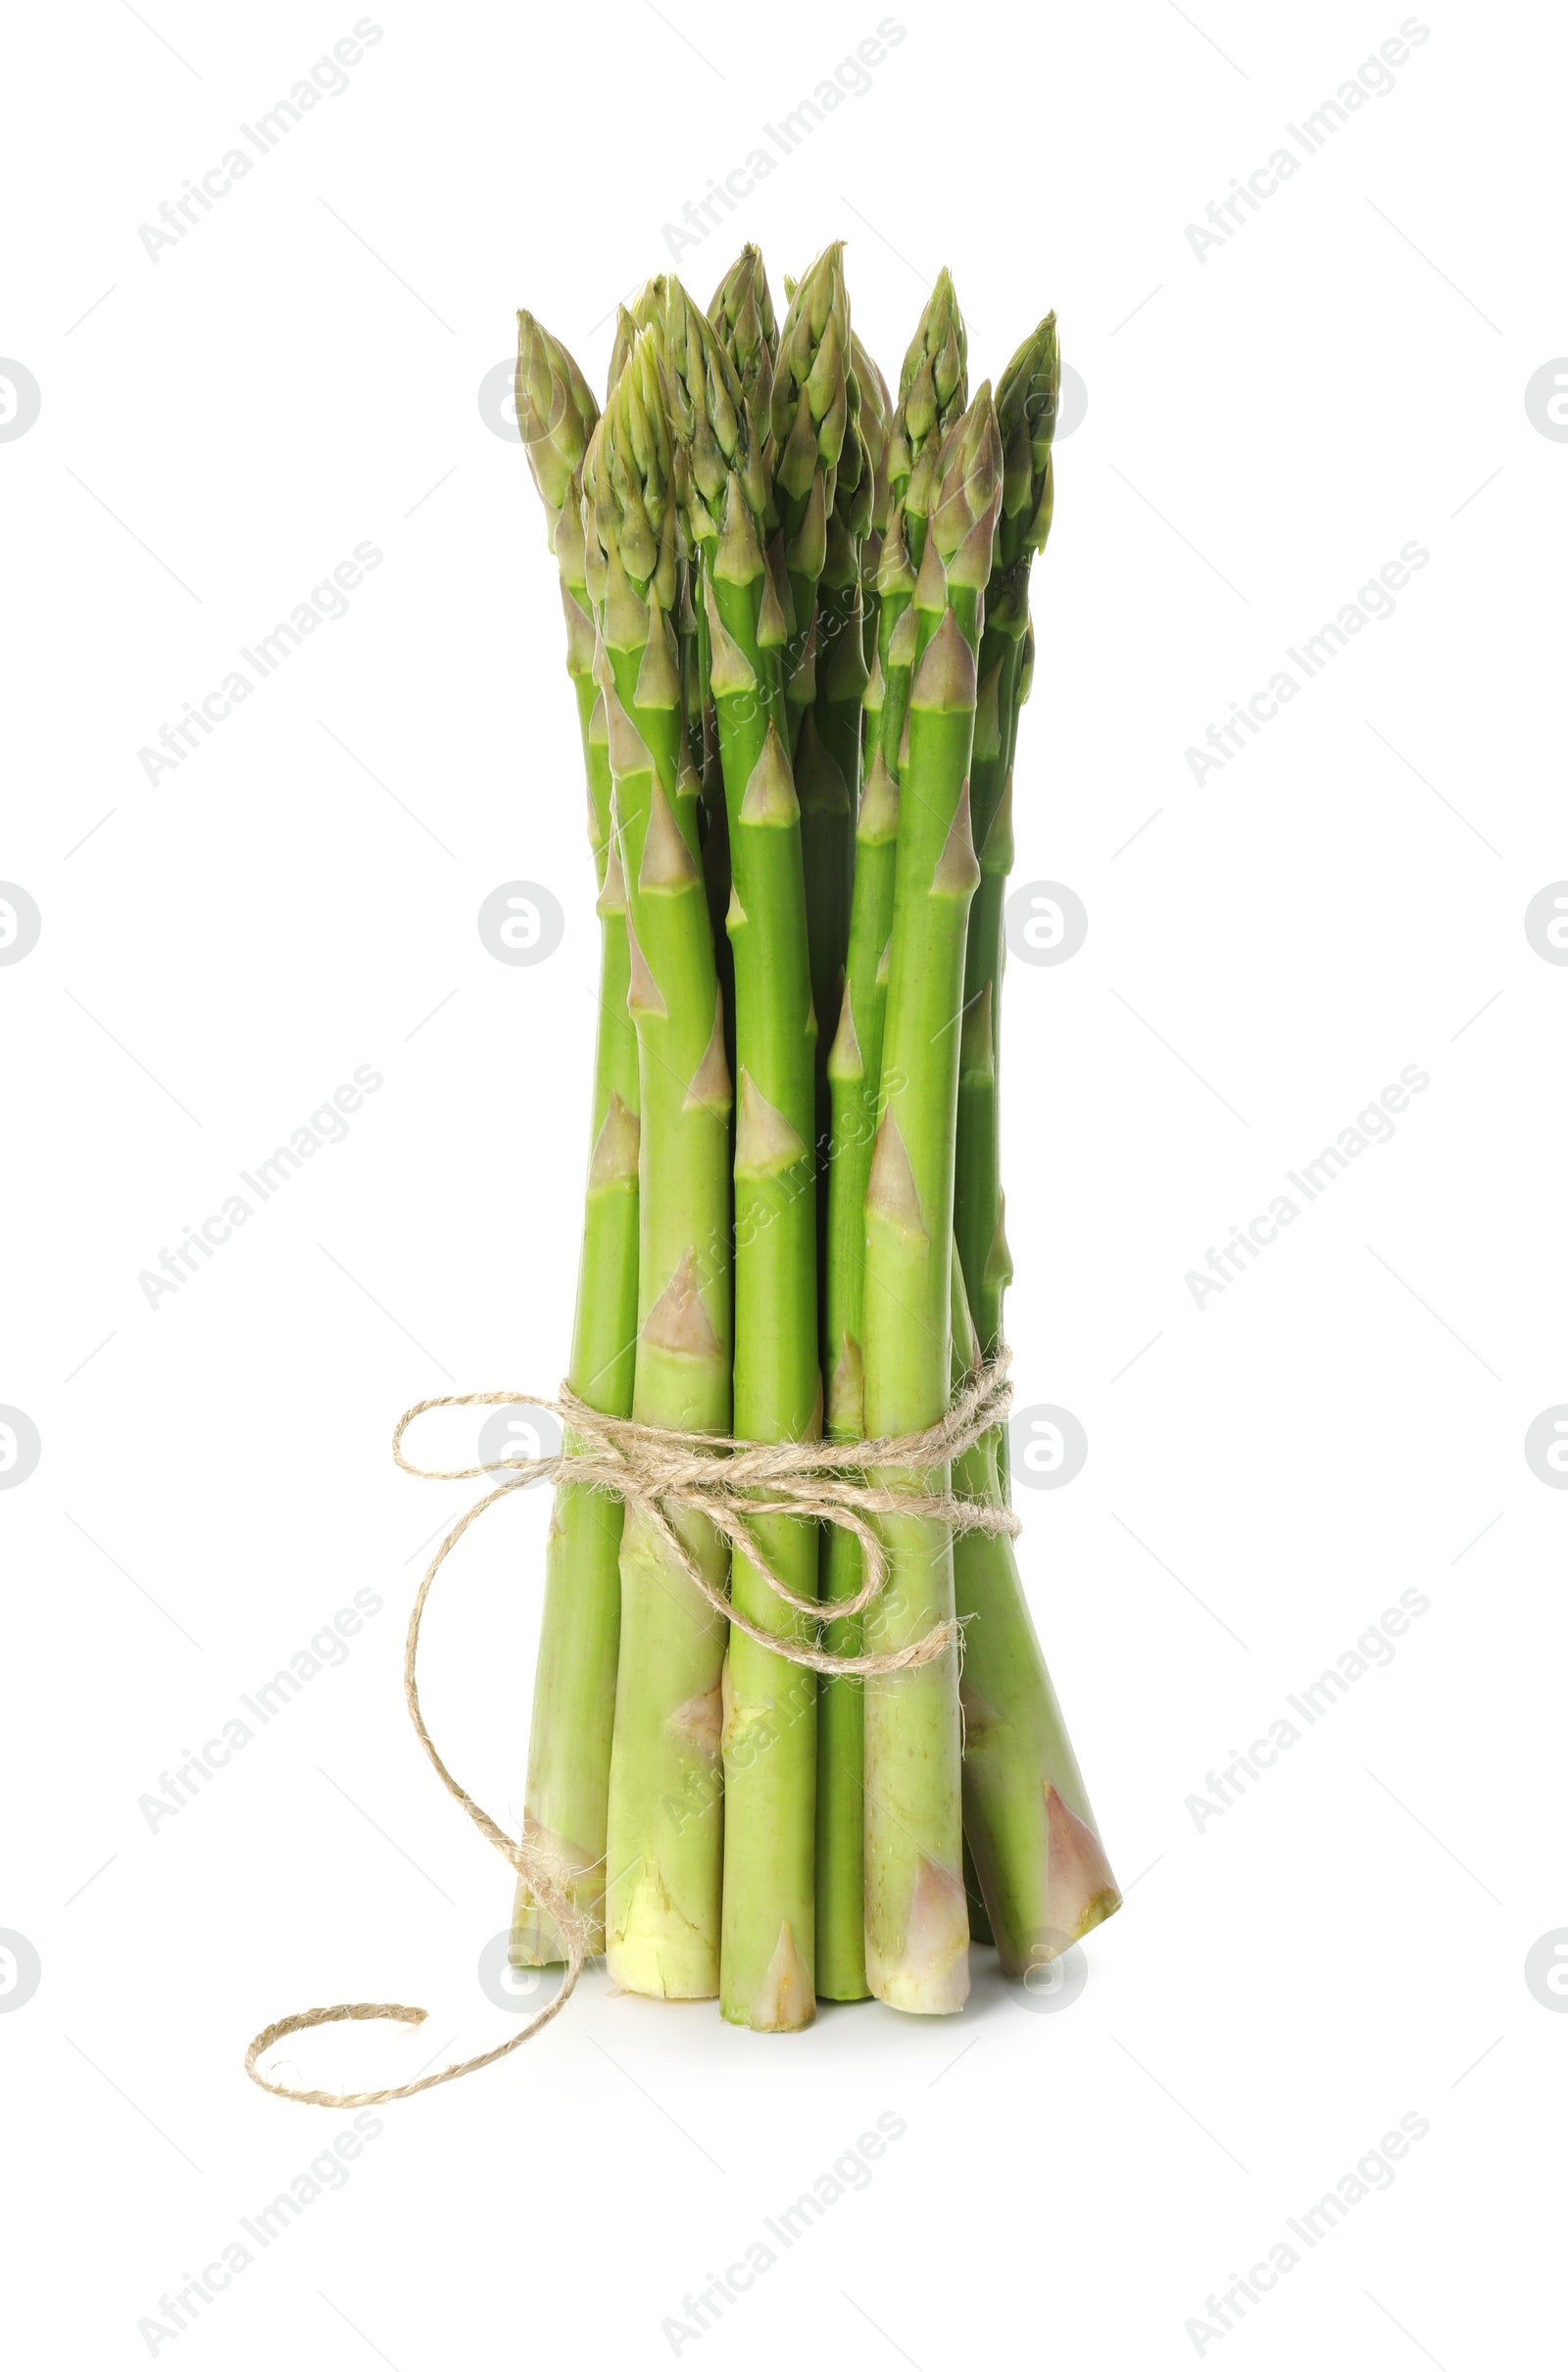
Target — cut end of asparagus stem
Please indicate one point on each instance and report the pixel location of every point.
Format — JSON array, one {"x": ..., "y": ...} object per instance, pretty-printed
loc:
[
  {"x": 536, "y": 1941},
  {"x": 1082, "y": 1891},
  {"x": 660, "y": 1954},
  {"x": 930, "y": 1977},
  {"x": 1079, "y": 1892}
]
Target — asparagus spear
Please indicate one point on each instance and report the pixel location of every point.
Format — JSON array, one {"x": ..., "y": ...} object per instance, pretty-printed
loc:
[
  {"x": 932, "y": 393},
  {"x": 767, "y": 1978},
  {"x": 820, "y": 390},
  {"x": 1026, "y": 413},
  {"x": 574, "y": 1684},
  {"x": 1036, "y": 1853},
  {"x": 810, "y": 414},
  {"x": 828, "y": 752},
  {"x": 1042, "y": 1870},
  {"x": 853, "y": 1079},
  {"x": 741, "y": 312},
  {"x": 917, "y": 1929},
  {"x": 665, "y": 1802},
  {"x": 876, "y": 421},
  {"x": 854, "y": 1071},
  {"x": 645, "y": 309}
]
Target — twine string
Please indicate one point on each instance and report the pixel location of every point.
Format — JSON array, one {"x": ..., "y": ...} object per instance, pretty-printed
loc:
[{"x": 654, "y": 1471}]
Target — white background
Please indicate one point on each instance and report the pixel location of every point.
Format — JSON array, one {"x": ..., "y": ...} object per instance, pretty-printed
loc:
[{"x": 1265, "y": 428}]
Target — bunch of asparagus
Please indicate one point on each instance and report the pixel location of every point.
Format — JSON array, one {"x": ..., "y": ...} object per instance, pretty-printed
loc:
[{"x": 798, "y": 631}]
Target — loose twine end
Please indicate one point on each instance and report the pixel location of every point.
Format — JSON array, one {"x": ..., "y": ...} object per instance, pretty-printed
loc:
[{"x": 729, "y": 1482}]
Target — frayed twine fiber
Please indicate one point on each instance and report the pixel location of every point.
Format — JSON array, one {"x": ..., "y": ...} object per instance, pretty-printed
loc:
[{"x": 655, "y": 1472}]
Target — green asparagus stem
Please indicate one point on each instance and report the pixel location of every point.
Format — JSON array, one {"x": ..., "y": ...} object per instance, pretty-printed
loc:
[
  {"x": 829, "y": 734},
  {"x": 968, "y": 487},
  {"x": 1027, "y": 1821},
  {"x": 975, "y": 1902},
  {"x": 666, "y": 1816},
  {"x": 876, "y": 421},
  {"x": 648, "y": 309},
  {"x": 741, "y": 312},
  {"x": 1026, "y": 413},
  {"x": 768, "y": 1971},
  {"x": 645, "y": 309},
  {"x": 811, "y": 410},
  {"x": 574, "y": 1683},
  {"x": 1036, "y": 1853},
  {"x": 854, "y": 1071},
  {"x": 932, "y": 393},
  {"x": 828, "y": 753},
  {"x": 917, "y": 1929},
  {"x": 855, "y": 1082}
]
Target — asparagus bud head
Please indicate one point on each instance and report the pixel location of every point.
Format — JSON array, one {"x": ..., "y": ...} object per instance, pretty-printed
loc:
[{"x": 555, "y": 411}]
